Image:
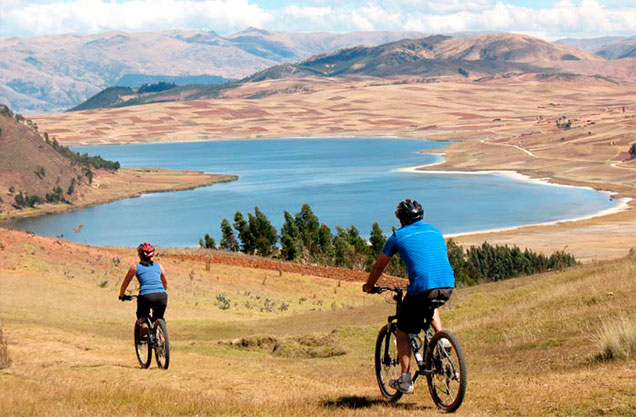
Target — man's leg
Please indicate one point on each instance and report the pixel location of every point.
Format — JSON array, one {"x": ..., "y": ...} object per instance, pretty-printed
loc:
[
  {"x": 437, "y": 321},
  {"x": 404, "y": 351},
  {"x": 404, "y": 382}
]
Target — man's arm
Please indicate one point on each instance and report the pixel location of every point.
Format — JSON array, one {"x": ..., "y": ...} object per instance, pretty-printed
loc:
[
  {"x": 163, "y": 278},
  {"x": 129, "y": 276},
  {"x": 376, "y": 272}
]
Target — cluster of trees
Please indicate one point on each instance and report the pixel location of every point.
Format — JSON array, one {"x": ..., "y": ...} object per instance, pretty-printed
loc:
[
  {"x": 493, "y": 263},
  {"x": 156, "y": 87},
  {"x": 84, "y": 159},
  {"x": 25, "y": 200},
  {"x": 305, "y": 240}
]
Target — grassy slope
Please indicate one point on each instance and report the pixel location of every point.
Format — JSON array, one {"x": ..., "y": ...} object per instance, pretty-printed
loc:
[{"x": 528, "y": 341}]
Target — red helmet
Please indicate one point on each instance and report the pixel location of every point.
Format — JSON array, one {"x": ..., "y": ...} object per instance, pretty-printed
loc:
[{"x": 145, "y": 250}]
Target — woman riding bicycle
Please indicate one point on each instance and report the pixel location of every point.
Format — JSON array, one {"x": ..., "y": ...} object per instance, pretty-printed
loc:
[{"x": 152, "y": 286}]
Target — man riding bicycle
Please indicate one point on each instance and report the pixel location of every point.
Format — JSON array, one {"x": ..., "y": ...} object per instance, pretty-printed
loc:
[
  {"x": 152, "y": 286},
  {"x": 431, "y": 277}
]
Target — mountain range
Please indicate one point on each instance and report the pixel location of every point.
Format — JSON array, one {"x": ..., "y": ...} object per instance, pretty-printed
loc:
[
  {"x": 54, "y": 73},
  {"x": 475, "y": 57},
  {"x": 609, "y": 47}
]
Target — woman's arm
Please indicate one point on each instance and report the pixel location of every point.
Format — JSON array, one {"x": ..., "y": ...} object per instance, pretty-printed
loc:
[
  {"x": 129, "y": 276},
  {"x": 163, "y": 278}
]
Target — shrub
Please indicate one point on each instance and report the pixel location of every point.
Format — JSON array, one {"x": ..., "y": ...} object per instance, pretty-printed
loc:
[
  {"x": 563, "y": 123},
  {"x": 207, "y": 242},
  {"x": 632, "y": 151},
  {"x": 5, "y": 361},
  {"x": 616, "y": 340}
]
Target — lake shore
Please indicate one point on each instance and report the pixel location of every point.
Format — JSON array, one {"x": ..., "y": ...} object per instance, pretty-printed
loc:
[
  {"x": 498, "y": 132},
  {"x": 124, "y": 183}
]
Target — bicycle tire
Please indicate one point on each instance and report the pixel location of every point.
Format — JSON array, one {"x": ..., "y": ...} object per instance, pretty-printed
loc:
[
  {"x": 162, "y": 344},
  {"x": 142, "y": 348},
  {"x": 446, "y": 368},
  {"x": 387, "y": 367}
]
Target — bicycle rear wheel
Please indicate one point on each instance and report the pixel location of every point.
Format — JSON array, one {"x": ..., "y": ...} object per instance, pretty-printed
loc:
[
  {"x": 387, "y": 362},
  {"x": 448, "y": 379},
  {"x": 162, "y": 344},
  {"x": 142, "y": 347}
]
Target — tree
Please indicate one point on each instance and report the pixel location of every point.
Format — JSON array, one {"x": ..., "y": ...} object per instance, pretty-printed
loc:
[
  {"x": 325, "y": 243},
  {"x": 291, "y": 243},
  {"x": 308, "y": 226},
  {"x": 228, "y": 239},
  {"x": 632, "y": 151},
  {"x": 377, "y": 241},
  {"x": 207, "y": 242},
  {"x": 265, "y": 236},
  {"x": 71, "y": 187},
  {"x": 244, "y": 233}
]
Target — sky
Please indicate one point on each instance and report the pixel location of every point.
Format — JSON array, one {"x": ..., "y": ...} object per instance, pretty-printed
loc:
[{"x": 545, "y": 19}]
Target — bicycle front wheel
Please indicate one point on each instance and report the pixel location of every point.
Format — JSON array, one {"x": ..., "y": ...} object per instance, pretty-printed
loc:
[
  {"x": 142, "y": 347},
  {"x": 387, "y": 362},
  {"x": 162, "y": 344},
  {"x": 447, "y": 378}
]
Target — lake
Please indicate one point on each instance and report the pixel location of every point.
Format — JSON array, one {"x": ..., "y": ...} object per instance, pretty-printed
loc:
[{"x": 346, "y": 181}]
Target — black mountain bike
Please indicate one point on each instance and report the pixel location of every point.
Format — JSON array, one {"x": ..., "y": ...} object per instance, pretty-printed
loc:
[
  {"x": 155, "y": 338},
  {"x": 440, "y": 358}
]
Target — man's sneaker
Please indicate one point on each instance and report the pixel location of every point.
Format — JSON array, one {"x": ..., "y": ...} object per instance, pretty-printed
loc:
[{"x": 402, "y": 384}]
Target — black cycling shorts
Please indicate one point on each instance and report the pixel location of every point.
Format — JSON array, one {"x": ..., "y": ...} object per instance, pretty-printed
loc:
[
  {"x": 157, "y": 301},
  {"x": 415, "y": 308}
]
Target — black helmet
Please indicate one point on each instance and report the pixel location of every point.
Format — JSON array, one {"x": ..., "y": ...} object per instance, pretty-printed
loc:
[{"x": 409, "y": 211}]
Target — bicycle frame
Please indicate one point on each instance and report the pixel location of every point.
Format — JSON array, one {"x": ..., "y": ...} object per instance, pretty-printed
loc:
[{"x": 414, "y": 339}]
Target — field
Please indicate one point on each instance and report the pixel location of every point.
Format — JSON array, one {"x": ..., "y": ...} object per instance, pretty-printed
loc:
[{"x": 529, "y": 341}]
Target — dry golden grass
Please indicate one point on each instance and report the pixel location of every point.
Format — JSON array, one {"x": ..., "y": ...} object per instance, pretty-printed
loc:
[
  {"x": 528, "y": 341},
  {"x": 616, "y": 339}
]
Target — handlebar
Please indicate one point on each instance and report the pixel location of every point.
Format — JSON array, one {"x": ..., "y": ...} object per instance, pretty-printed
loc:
[
  {"x": 127, "y": 297},
  {"x": 380, "y": 289}
]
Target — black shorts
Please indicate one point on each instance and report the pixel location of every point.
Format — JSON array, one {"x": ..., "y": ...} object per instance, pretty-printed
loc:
[
  {"x": 157, "y": 301},
  {"x": 416, "y": 308}
]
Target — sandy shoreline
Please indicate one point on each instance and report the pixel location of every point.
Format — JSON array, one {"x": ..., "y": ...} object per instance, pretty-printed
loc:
[{"x": 621, "y": 205}]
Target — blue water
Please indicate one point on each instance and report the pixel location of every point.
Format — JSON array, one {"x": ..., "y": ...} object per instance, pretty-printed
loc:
[{"x": 346, "y": 181}]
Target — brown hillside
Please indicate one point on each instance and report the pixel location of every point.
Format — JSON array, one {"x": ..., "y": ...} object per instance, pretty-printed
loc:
[
  {"x": 31, "y": 166},
  {"x": 509, "y": 47}
]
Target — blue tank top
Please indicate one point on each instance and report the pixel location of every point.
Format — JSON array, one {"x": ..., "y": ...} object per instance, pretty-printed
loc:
[
  {"x": 149, "y": 278},
  {"x": 423, "y": 250}
]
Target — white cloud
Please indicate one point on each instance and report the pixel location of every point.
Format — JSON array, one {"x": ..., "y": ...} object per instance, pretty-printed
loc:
[
  {"x": 583, "y": 18},
  {"x": 91, "y": 16}
]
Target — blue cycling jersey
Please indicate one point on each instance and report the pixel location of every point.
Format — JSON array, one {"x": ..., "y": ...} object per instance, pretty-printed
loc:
[{"x": 423, "y": 250}]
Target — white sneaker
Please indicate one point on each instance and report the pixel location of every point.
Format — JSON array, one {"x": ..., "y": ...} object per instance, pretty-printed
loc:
[{"x": 402, "y": 384}]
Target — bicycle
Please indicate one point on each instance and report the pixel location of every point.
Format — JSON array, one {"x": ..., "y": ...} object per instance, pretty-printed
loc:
[
  {"x": 441, "y": 362},
  {"x": 156, "y": 338}
]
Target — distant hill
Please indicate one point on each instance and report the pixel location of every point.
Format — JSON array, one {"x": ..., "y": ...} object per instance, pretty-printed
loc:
[
  {"x": 618, "y": 50},
  {"x": 433, "y": 56},
  {"x": 35, "y": 169},
  {"x": 436, "y": 55},
  {"x": 609, "y": 47},
  {"x": 55, "y": 73}
]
